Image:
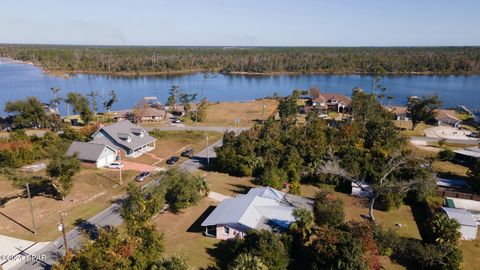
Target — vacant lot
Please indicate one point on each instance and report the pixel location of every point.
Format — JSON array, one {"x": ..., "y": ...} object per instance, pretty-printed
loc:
[
  {"x": 228, "y": 185},
  {"x": 183, "y": 234},
  {"x": 249, "y": 112},
  {"x": 93, "y": 190}
]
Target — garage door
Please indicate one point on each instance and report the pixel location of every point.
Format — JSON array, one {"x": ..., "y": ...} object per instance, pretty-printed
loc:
[{"x": 105, "y": 161}]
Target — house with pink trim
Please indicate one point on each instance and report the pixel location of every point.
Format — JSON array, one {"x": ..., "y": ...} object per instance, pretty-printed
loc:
[{"x": 261, "y": 208}]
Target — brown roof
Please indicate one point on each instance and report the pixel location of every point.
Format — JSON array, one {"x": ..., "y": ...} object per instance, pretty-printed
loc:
[
  {"x": 336, "y": 97},
  {"x": 397, "y": 110},
  {"x": 446, "y": 115}
]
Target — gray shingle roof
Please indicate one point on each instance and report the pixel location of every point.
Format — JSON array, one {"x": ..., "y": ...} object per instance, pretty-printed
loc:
[
  {"x": 86, "y": 151},
  {"x": 119, "y": 131}
]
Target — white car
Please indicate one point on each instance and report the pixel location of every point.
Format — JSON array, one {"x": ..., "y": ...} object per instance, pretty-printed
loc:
[
  {"x": 115, "y": 165},
  {"x": 176, "y": 121}
]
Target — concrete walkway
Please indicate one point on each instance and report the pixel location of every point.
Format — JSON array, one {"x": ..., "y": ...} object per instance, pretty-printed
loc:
[
  {"x": 217, "y": 196},
  {"x": 13, "y": 251}
]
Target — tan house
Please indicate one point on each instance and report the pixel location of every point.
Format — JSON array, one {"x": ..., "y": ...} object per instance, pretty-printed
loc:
[
  {"x": 329, "y": 102},
  {"x": 447, "y": 117},
  {"x": 145, "y": 115}
]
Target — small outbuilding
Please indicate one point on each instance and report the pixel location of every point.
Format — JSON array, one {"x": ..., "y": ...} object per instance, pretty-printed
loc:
[
  {"x": 93, "y": 153},
  {"x": 468, "y": 225}
]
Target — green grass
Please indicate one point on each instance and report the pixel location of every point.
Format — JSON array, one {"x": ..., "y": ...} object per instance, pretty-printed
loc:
[{"x": 188, "y": 136}]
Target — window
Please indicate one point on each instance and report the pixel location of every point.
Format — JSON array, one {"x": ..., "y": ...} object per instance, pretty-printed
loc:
[{"x": 226, "y": 230}]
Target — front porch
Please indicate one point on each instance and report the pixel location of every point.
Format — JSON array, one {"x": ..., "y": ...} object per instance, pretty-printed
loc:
[{"x": 141, "y": 150}]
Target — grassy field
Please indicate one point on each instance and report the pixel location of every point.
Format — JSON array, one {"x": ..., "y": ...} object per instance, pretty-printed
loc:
[
  {"x": 248, "y": 112},
  {"x": 93, "y": 191},
  {"x": 406, "y": 128},
  {"x": 183, "y": 234},
  {"x": 447, "y": 167},
  {"x": 228, "y": 185},
  {"x": 470, "y": 250}
]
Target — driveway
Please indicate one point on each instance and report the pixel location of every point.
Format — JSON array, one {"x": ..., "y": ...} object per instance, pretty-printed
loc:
[
  {"x": 445, "y": 132},
  {"x": 134, "y": 166}
]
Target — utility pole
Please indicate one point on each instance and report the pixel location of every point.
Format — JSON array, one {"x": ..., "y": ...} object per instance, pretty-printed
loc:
[
  {"x": 120, "y": 169},
  {"x": 31, "y": 209},
  {"x": 263, "y": 112},
  {"x": 208, "y": 150},
  {"x": 61, "y": 227}
]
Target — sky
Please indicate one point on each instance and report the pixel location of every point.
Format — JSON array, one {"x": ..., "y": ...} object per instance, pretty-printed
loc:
[{"x": 242, "y": 22}]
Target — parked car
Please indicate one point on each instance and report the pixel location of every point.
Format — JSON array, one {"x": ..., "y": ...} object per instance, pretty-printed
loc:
[
  {"x": 115, "y": 165},
  {"x": 472, "y": 135},
  {"x": 142, "y": 176},
  {"x": 172, "y": 160},
  {"x": 187, "y": 153},
  {"x": 176, "y": 121}
]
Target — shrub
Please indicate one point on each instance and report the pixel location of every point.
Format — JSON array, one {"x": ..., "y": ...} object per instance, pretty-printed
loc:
[
  {"x": 387, "y": 240},
  {"x": 390, "y": 201},
  {"x": 446, "y": 155},
  {"x": 328, "y": 209},
  {"x": 442, "y": 229}
]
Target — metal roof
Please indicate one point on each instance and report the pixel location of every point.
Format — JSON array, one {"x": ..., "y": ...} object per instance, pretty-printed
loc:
[
  {"x": 463, "y": 216},
  {"x": 87, "y": 151},
  {"x": 471, "y": 152},
  {"x": 260, "y": 208}
]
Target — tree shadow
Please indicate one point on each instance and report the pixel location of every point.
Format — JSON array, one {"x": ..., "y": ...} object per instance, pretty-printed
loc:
[
  {"x": 240, "y": 189},
  {"x": 87, "y": 228},
  {"x": 421, "y": 213},
  {"x": 223, "y": 253},
  {"x": 196, "y": 226}
]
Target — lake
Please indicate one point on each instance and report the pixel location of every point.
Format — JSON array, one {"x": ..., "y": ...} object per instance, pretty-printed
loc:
[{"x": 18, "y": 81}]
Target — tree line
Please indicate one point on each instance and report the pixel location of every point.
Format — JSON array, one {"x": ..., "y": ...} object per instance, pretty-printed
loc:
[{"x": 137, "y": 60}]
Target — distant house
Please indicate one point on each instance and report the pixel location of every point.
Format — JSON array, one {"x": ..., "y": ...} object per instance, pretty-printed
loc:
[
  {"x": 93, "y": 153},
  {"x": 131, "y": 139},
  {"x": 329, "y": 102},
  {"x": 361, "y": 191},
  {"x": 468, "y": 225},
  {"x": 476, "y": 117},
  {"x": 261, "y": 208},
  {"x": 467, "y": 155},
  {"x": 145, "y": 115},
  {"x": 447, "y": 117},
  {"x": 401, "y": 113}
]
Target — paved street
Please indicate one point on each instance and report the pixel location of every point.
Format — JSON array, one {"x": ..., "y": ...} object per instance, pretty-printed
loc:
[
  {"x": 108, "y": 217},
  {"x": 457, "y": 141}
]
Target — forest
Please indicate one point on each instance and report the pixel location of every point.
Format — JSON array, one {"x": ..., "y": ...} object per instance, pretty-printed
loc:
[{"x": 263, "y": 60}]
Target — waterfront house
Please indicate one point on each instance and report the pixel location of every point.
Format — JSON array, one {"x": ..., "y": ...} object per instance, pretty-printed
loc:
[
  {"x": 261, "y": 208},
  {"x": 400, "y": 112},
  {"x": 329, "y": 102},
  {"x": 127, "y": 138},
  {"x": 143, "y": 115},
  {"x": 467, "y": 155},
  {"x": 98, "y": 154},
  {"x": 447, "y": 117}
]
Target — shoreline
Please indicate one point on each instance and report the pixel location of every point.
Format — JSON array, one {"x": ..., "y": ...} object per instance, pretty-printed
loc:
[{"x": 68, "y": 73}]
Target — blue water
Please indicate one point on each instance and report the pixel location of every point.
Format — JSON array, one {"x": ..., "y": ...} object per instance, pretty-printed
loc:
[{"x": 18, "y": 81}]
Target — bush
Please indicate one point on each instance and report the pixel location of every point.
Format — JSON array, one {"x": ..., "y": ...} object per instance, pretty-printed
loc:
[
  {"x": 387, "y": 240},
  {"x": 272, "y": 177},
  {"x": 446, "y": 155},
  {"x": 442, "y": 229},
  {"x": 390, "y": 201},
  {"x": 328, "y": 209},
  {"x": 182, "y": 189}
]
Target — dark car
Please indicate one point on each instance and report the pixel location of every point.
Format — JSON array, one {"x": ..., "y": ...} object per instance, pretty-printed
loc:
[
  {"x": 142, "y": 176},
  {"x": 187, "y": 153},
  {"x": 172, "y": 160}
]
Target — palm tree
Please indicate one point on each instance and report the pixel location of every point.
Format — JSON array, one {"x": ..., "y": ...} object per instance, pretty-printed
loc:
[
  {"x": 246, "y": 261},
  {"x": 56, "y": 99},
  {"x": 389, "y": 98},
  {"x": 93, "y": 96}
]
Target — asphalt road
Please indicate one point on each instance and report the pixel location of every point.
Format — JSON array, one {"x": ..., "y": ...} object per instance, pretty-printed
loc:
[
  {"x": 108, "y": 217},
  {"x": 198, "y": 128},
  {"x": 455, "y": 141}
]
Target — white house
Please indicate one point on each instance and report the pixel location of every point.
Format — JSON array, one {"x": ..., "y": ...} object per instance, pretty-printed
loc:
[
  {"x": 93, "y": 153},
  {"x": 261, "y": 208}
]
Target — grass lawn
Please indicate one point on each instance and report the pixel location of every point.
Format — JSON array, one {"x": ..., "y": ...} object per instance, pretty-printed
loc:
[
  {"x": 448, "y": 167},
  {"x": 470, "y": 250},
  {"x": 183, "y": 234},
  {"x": 249, "y": 112},
  {"x": 406, "y": 128},
  {"x": 228, "y": 185},
  {"x": 93, "y": 190}
]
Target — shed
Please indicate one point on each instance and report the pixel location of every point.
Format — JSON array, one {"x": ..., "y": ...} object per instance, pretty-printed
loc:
[{"x": 468, "y": 225}]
